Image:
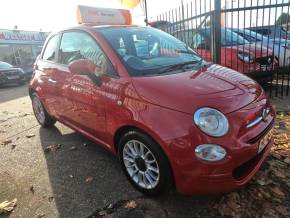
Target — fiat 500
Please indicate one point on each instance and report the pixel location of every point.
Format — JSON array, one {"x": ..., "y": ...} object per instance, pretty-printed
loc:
[{"x": 174, "y": 120}]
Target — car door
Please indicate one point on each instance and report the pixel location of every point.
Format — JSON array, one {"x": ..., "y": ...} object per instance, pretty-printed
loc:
[
  {"x": 89, "y": 100},
  {"x": 46, "y": 67}
]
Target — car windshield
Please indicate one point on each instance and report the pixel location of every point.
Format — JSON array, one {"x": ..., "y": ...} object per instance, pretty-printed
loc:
[
  {"x": 228, "y": 37},
  {"x": 147, "y": 51},
  {"x": 253, "y": 36},
  {"x": 4, "y": 65}
]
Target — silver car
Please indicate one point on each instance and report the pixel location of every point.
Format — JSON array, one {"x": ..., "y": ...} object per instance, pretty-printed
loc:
[{"x": 280, "y": 47}]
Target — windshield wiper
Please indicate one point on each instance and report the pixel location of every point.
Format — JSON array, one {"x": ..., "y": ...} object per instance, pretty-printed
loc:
[{"x": 178, "y": 66}]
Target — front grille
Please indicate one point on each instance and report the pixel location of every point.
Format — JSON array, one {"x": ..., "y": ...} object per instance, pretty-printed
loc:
[
  {"x": 11, "y": 73},
  {"x": 265, "y": 61},
  {"x": 261, "y": 135},
  {"x": 246, "y": 168}
]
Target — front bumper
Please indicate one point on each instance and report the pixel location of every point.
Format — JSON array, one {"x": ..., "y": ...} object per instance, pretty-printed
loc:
[
  {"x": 224, "y": 182},
  {"x": 194, "y": 176},
  {"x": 5, "y": 80}
]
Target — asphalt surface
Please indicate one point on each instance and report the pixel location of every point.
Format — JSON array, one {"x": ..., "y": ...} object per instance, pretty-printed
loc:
[{"x": 79, "y": 179}]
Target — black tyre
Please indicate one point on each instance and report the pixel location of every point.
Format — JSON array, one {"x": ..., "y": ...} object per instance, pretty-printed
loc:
[
  {"x": 41, "y": 115},
  {"x": 144, "y": 163}
]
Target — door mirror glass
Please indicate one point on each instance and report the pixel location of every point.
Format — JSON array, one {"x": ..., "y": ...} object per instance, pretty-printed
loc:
[
  {"x": 86, "y": 67},
  {"x": 82, "y": 67}
]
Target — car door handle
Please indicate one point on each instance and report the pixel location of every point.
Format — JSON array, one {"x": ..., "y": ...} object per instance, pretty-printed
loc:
[{"x": 52, "y": 81}]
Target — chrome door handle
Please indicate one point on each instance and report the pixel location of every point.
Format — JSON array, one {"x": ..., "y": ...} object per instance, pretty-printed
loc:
[{"x": 52, "y": 81}]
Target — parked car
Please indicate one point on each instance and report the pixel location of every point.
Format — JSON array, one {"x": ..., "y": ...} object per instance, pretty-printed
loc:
[
  {"x": 170, "y": 117},
  {"x": 272, "y": 32},
  {"x": 236, "y": 52},
  {"x": 280, "y": 47},
  {"x": 10, "y": 74}
]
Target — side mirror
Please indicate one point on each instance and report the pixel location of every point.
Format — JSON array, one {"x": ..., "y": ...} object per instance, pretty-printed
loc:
[
  {"x": 82, "y": 67},
  {"x": 86, "y": 67}
]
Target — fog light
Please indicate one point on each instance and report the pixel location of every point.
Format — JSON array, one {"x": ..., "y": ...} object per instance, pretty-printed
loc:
[{"x": 210, "y": 152}]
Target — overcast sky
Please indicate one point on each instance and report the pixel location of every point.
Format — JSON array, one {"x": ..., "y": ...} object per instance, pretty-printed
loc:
[{"x": 56, "y": 14}]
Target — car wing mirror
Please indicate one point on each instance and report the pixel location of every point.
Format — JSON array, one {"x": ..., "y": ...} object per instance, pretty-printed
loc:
[{"x": 86, "y": 67}]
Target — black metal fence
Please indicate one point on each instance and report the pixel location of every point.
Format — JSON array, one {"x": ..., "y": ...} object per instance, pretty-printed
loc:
[{"x": 249, "y": 36}]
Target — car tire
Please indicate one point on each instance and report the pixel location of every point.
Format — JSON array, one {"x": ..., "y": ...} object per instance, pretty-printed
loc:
[
  {"x": 151, "y": 165},
  {"x": 41, "y": 115}
]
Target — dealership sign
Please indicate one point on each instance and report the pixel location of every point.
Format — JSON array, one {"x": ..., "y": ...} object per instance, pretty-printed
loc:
[
  {"x": 22, "y": 35},
  {"x": 103, "y": 16}
]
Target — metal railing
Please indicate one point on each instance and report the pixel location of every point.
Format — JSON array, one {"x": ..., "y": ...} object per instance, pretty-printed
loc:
[{"x": 249, "y": 36}]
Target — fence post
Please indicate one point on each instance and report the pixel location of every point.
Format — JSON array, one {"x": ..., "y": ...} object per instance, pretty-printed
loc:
[{"x": 216, "y": 32}]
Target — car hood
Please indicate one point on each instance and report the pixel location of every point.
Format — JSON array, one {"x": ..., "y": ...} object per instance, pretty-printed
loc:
[
  {"x": 7, "y": 70},
  {"x": 211, "y": 86},
  {"x": 255, "y": 50}
]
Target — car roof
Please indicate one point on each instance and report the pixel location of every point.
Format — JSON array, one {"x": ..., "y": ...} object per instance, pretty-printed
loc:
[
  {"x": 87, "y": 27},
  {"x": 94, "y": 27}
]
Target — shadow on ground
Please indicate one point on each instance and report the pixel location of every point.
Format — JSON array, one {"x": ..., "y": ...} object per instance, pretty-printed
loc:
[{"x": 86, "y": 178}]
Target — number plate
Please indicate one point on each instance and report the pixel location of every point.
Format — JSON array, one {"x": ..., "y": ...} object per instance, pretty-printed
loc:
[
  {"x": 13, "y": 77},
  {"x": 265, "y": 140}
]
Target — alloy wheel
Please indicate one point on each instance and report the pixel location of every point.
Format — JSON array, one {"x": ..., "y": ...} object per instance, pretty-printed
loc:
[{"x": 141, "y": 164}]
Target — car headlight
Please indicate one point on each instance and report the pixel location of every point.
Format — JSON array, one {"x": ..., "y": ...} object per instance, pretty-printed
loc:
[
  {"x": 245, "y": 57},
  {"x": 211, "y": 121},
  {"x": 210, "y": 152}
]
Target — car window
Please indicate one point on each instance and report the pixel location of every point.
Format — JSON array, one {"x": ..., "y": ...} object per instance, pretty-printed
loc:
[
  {"x": 147, "y": 51},
  {"x": 4, "y": 65},
  {"x": 198, "y": 41},
  {"x": 249, "y": 37},
  {"x": 265, "y": 32},
  {"x": 51, "y": 48},
  {"x": 80, "y": 45}
]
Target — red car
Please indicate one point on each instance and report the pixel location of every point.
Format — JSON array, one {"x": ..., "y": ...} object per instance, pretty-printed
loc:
[
  {"x": 172, "y": 119},
  {"x": 237, "y": 53}
]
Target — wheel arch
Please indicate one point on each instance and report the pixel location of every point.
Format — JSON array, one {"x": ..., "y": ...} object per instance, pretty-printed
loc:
[{"x": 126, "y": 128}]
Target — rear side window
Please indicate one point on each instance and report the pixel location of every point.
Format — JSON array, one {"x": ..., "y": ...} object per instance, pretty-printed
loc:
[
  {"x": 198, "y": 41},
  {"x": 80, "y": 45},
  {"x": 51, "y": 48},
  {"x": 264, "y": 32}
]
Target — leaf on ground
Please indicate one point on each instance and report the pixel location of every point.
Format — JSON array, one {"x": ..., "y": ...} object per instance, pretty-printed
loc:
[
  {"x": 103, "y": 213},
  {"x": 13, "y": 146},
  {"x": 131, "y": 205},
  {"x": 287, "y": 160},
  {"x": 7, "y": 206},
  {"x": 89, "y": 179},
  {"x": 233, "y": 201},
  {"x": 32, "y": 189},
  {"x": 72, "y": 148},
  {"x": 6, "y": 142},
  {"x": 30, "y": 135},
  {"x": 26, "y": 114},
  {"x": 276, "y": 155},
  {"x": 41, "y": 215},
  {"x": 52, "y": 148},
  {"x": 277, "y": 191},
  {"x": 279, "y": 174},
  {"x": 283, "y": 210}
]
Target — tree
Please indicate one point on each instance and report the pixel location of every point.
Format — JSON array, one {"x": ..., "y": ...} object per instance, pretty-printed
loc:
[{"x": 283, "y": 19}]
